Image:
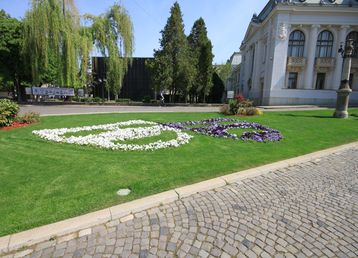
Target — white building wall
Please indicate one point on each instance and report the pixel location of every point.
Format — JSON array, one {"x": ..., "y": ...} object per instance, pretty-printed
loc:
[{"x": 267, "y": 83}]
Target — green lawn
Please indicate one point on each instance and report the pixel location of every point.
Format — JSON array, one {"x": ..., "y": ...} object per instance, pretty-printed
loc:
[{"x": 42, "y": 182}]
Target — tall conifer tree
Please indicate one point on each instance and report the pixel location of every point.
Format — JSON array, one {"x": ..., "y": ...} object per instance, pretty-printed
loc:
[
  {"x": 172, "y": 67},
  {"x": 201, "y": 49}
]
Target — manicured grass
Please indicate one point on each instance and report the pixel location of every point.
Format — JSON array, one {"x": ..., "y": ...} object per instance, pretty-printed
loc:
[{"x": 42, "y": 182}]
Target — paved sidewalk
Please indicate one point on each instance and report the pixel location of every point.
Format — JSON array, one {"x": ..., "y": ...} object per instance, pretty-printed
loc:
[{"x": 305, "y": 210}]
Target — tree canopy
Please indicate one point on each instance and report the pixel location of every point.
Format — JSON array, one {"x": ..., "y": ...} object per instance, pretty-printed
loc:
[
  {"x": 52, "y": 40},
  {"x": 11, "y": 61},
  {"x": 172, "y": 67},
  {"x": 57, "y": 43},
  {"x": 183, "y": 65},
  {"x": 113, "y": 36},
  {"x": 201, "y": 49}
]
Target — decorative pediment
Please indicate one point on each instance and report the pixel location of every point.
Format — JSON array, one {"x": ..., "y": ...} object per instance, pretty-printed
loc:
[{"x": 251, "y": 30}]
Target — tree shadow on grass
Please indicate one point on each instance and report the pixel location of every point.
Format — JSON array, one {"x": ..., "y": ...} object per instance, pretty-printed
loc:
[
  {"x": 300, "y": 115},
  {"x": 352, "y": 116}
]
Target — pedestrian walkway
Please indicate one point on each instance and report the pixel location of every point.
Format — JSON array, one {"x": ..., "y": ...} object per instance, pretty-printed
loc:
[{"x": 305, "y": 210}]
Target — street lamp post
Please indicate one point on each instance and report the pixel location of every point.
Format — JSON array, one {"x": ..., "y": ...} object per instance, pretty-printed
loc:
[
  {"x": 344, "y": 89},
  {"x": 102, "y": 87}
]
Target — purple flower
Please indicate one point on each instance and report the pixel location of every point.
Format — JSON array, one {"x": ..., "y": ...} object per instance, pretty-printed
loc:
[{"x": 215, "y": 127}]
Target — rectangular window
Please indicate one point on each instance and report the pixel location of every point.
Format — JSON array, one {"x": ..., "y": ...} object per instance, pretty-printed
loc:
[
  {"x": 321, "y": 78},
  {"x": 292, "y": 81}
]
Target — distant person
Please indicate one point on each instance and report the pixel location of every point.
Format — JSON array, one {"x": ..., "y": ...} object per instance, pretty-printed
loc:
[{"x": 162, "y": 98}]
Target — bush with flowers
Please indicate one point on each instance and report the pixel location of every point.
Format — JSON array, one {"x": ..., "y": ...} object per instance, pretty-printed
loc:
[
  {"x": 239, "y": 105},
  {"x": 8, "y": 112}
]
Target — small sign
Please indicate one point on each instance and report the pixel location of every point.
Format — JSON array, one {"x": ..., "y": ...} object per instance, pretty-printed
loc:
[
  {"x": 81, "y": 93},
  {"x": 230, "y": 94},
  {"x": 50, "y": 91}
]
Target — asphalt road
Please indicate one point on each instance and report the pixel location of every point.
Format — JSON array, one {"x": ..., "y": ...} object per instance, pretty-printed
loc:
[{"x": 48, "y": 110}]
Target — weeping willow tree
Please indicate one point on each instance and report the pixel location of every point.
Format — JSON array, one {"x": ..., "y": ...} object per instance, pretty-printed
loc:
[
  {"x": 56, "y": 43},
  {"x": 113, "y": 36},
  {"x": 53, "y": 42}
]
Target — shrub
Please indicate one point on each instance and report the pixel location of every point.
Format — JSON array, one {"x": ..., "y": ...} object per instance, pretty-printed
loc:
[
  {"x": 239, "y": 98},
  {"x": 76, "y": 98},
  {"x": 233, "y": 106},
  {"x": 146, "y": 99},
  {"x": 8, "y": 112},
  {"x": 240, "y": 106},
  {"x": 246, "y": 103},
  {"x": 249, "y": 111},
  {"x": 123, "y": 100},
  {"x": 28, "y": 118},
  {"x": 225, "y": 109},
  {"x": 98, "y": 100}
]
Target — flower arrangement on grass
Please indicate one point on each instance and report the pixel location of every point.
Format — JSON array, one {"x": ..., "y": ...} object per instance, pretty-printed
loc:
[
  {"x": 115, "y": 136},
  {"x": 215, "y": 127},
  {"x": 240, "y": 106}
]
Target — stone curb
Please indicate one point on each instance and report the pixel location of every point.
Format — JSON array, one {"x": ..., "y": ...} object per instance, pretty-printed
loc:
[
  {"x": 188, "y": 190},
  {"x": 73, "y": 227}
]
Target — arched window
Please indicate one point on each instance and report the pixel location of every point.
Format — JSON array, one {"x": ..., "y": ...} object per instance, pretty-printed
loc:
[
  {"x": 354, "y": 35},
  {"x": 296, "y": 43},
  {"x": 324, "y": 44}
]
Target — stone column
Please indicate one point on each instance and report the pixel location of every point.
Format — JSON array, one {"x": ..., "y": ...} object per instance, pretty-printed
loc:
[
  {"x": 280, "y": 56},
  {"x": 257, "y": 69},
  {"x": 309, "y": 71},
  {"x": 339, "y": 61}
]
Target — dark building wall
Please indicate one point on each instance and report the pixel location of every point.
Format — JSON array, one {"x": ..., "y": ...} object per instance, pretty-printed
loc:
[{"x": 136, "y": 83}]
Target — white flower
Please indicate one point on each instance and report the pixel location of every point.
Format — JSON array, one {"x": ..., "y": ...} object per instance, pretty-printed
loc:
[{"x": 114, "y": 135}]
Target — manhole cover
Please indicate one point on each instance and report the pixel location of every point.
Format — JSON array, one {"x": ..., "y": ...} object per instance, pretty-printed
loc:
[{"x": 123, "y": 192}]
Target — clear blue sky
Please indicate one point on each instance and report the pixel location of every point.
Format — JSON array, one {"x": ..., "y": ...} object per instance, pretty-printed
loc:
[{"x": 226, "y": 20}]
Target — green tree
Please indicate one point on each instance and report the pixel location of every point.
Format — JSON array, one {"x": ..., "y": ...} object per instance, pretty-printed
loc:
[
  {"x": 52, "y": 38},
  {"x": 172, "y": 67},
  {"x": 201, "y": 49},
  {"x": 113, "y": 36},
  {"x": 11, "y": 62},
  {"x": 224, "y": 71},
  {"x": 57, "y": 47},
  {"x": 217, "y": 90}
]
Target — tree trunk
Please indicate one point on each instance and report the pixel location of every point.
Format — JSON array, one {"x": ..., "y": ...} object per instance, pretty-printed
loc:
[{"x": 19, "y": 91}]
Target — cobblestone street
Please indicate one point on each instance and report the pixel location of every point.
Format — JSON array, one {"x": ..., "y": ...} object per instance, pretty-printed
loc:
[{"x": 307, "y": 210}]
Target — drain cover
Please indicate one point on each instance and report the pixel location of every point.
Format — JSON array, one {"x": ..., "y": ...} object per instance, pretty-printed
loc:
[{"x": 123, "y": 192}]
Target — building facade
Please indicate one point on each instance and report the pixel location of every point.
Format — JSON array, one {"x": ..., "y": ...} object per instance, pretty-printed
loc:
[
  {"x": 290, "y": 52},
  {"x": 233, "y": 81},
  {"x": 136, "y": 82}
]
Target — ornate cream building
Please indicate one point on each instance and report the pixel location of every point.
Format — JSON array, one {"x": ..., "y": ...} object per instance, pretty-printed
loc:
[{"x": 290, "y": 52}]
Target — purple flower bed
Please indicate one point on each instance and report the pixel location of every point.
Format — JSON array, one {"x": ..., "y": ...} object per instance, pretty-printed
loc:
[{"x": 212, "y": 127}]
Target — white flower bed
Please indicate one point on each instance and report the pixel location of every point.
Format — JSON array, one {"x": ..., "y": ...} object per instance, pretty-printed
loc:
[{"x": 115, "y": 134}]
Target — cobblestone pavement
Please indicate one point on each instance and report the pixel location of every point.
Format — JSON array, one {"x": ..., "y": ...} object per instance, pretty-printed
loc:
[{"x": 307, "y": 210}]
